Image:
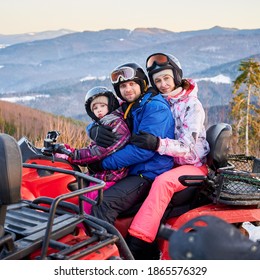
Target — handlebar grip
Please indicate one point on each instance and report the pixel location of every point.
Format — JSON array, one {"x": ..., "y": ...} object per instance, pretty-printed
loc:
[
  {"x": 66, "y": 152},
  {"x": 165, "y": 232}
]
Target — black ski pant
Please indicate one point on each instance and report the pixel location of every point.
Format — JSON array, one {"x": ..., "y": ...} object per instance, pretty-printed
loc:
[{"x": 121, "y": 197}]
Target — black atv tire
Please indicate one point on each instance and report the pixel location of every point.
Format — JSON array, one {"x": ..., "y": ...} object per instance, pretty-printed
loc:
[{"x": 10, "y": 170}]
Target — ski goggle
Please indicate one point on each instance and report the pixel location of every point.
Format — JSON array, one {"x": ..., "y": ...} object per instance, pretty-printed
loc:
[
  {"x": 157, "y": 59},
  {"x": 122, "y": 74}
]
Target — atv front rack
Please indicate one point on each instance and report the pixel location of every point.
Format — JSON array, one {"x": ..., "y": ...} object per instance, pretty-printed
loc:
[{"x": 48, "y": 228}]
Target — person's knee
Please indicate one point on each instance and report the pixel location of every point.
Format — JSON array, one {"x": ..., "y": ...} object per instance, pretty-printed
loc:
[
  {"x": 166, "y": 182},
  {"x": 97, "y": 212},
  {"x": 161, "y": 181},
  {"x": 102, "y": 212}
]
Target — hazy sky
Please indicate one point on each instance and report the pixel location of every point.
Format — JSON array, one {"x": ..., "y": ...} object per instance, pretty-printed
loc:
[{"x": 21, "y": 16}]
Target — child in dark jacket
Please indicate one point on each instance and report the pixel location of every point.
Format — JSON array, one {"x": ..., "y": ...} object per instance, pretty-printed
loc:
[{"x": 102, "y": 104}]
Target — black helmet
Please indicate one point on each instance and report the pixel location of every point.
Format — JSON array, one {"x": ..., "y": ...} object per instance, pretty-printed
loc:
[
  {"x": 160, "y": 61},
  {"x": 94, "y": 92},
  {"x": 129, "y": 72}
]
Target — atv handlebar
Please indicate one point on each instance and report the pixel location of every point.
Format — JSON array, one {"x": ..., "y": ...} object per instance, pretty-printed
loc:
[
  {"x": 51, "y": 148},
  {"x": 60, "y": 148}
]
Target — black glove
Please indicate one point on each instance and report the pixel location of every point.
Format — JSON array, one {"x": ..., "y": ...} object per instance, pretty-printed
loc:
[
  {"x": 95, "y": 167},
  {"x": 102, "y": 135},
  {"x": 145, "y": 140}
]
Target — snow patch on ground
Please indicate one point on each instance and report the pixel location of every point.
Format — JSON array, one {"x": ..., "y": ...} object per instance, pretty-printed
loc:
[
  {"x": 219, "y": 79},
  {"x": 91, "y": 78},
  {"x": 253, "y": 231},
  {"x": 15, "y": 99}
]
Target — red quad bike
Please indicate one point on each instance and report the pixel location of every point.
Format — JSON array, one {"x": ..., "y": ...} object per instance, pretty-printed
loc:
[
  {"x": 50, "y": 228},
  {"x": 229, "y": 192}
]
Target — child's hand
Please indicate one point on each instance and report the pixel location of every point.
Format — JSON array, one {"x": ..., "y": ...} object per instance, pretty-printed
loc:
[
  {"x": 62, "y": 156},
  {"x": 102, "y": 135}
]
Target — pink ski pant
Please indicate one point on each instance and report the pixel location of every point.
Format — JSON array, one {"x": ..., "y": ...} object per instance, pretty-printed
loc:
[{"x": 146, "y": 222}]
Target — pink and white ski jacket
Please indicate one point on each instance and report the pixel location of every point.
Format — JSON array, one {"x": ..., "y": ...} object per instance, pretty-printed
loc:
[{"x": 190, "y": 146}]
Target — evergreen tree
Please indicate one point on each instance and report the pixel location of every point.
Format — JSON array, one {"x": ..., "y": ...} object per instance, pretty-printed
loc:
[{"x": 245, "y": 107}]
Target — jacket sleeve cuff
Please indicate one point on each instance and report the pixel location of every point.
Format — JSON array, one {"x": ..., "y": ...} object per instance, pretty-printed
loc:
[{"x": 163, "y": 143}]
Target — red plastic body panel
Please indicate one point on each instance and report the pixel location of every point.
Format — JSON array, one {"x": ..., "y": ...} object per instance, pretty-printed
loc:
[{"x": 48, "y": 184}]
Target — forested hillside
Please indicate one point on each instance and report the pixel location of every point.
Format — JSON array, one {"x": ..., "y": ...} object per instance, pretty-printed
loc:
[{"x": 18, "y": 120}]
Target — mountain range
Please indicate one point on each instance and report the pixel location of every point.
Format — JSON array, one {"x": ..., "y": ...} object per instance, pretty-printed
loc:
[{"x": 53, "y": 70}]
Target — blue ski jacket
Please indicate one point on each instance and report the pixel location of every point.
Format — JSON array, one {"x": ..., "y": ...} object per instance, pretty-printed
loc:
[{"x": 151, "y": 114}]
